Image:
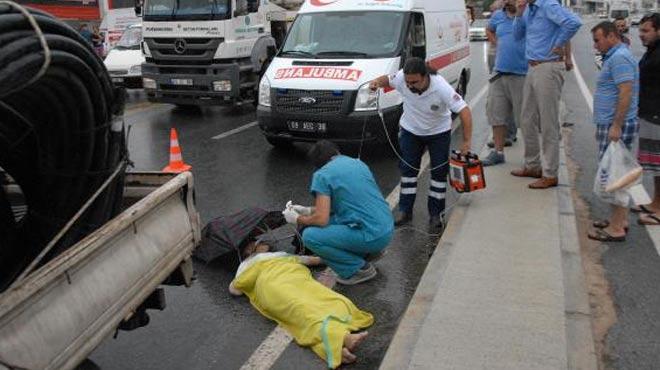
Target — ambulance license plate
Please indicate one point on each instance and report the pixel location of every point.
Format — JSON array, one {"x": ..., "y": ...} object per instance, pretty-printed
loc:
[
  {"x": 306, "y": 126},
  {"x": 182, "y": 81}
]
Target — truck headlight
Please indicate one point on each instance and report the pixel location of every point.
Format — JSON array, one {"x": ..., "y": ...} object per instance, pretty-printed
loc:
[
  {"x": 135, "y": 70},
  {"x": 149, "y": 83},
  {"x": 264, "y": 92},
  {"x": 222, "y": 85},
  {"x": 366, "y": 99}
]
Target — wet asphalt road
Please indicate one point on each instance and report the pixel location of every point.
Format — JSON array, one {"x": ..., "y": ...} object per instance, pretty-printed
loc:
[
  {"x": 203, "y": 327},
  {"x": 632, "y": 268}
]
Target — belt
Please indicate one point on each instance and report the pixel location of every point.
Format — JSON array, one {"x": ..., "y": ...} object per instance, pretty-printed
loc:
[{"x": 534, "y": 63}]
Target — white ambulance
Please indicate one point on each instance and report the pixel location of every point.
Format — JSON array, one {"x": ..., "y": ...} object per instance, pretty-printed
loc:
[{"x": 317, "y": 85}]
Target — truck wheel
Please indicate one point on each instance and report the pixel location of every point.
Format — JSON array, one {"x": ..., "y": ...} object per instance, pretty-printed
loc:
[
  {"x": 88, "y": 364},
  {"x": 187, "y": 106},
  {"x": 279, "y": 143}
]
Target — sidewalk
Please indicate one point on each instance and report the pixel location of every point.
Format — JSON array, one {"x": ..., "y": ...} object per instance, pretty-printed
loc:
[{"x": 504, "y": 288}]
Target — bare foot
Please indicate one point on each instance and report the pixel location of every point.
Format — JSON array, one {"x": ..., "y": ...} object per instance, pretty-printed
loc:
[
  {"x": 347, "y": 357},
  {"x": 352, "y": 341}
]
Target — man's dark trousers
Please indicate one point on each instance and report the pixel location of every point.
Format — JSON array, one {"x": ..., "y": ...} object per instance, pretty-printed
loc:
[{"x": 412, "y": 148}]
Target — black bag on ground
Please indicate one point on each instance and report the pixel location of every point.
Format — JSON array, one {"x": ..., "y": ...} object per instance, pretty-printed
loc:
[{"x": 227, "y": 234}]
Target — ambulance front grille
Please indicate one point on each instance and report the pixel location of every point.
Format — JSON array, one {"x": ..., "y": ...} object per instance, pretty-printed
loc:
[{"x": 310, "y": 101}]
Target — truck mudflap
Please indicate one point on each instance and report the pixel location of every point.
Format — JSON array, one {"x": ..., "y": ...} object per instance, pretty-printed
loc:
[{"x": 59, "y": 313}]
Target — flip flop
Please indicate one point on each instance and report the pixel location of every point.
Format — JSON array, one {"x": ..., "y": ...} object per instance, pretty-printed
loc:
[
  {"x": 640, "y": 209},
  {"x": 601, "y": 224},
  {"x": 603, "y": 236},
  {"x": 654, "y": 220}
]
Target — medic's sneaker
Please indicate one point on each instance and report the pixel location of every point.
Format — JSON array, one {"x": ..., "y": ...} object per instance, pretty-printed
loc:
[
  {"x": 366, "y": 273},
  {"x": 493, "y": 158}
]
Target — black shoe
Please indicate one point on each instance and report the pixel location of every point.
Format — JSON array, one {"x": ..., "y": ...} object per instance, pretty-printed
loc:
[
  {"x": 373, "y": 257},
  {"x": 507, "y": 143},
  {"x": 436, "y": 223},
  {"x": 402, "y": 218}
]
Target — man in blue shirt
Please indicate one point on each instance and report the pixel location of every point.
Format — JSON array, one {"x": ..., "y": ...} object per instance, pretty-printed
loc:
[
  {"x": 506, "y": 87},
  {"x": 546, "y": 28},
  {"x": 350, "y": 218},
  {"x": 615, "y": 113}
]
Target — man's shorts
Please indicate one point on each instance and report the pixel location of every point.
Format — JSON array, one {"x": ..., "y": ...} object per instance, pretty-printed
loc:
[
  {"x": 629, "y": 134},
  {"x": 505, "y": 99}
]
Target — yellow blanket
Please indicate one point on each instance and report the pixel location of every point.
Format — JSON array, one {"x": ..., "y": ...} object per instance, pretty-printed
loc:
[{"x": 284, "y": 290}]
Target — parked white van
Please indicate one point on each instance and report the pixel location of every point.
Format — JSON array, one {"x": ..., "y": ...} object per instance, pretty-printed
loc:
[
  {"x": 316, "y": 87},
  {"x": 124, "y": 61}
]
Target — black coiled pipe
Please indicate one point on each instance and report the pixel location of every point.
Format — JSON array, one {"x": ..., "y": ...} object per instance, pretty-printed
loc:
[{"x": 57, "y": 138}]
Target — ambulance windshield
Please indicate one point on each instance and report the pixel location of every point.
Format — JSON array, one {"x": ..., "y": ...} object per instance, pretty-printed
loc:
[{"x": 344, "y": 35}]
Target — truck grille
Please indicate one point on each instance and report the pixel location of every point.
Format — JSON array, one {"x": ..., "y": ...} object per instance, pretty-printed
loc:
[
  {"x": 310, "y": 101},
  {"x": 167, "y": 50}
]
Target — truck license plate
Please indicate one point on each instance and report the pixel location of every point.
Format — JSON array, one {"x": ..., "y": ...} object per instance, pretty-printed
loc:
[
  {"x": 306, "y": 126},
  {"x": 182, "y": 81},
  {"x": 117, "y": 79}
]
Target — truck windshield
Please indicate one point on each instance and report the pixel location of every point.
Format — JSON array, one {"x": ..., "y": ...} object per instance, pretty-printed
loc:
[
  {"x": 163, "y": 10},
  {"x": 344, "y": 35},
  {"x": 619, "y": 14},
  {"x": 130, "y": 39}
]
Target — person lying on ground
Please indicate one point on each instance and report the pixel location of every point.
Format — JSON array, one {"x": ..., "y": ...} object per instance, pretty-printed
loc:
[{"x": 281, "y": 288}]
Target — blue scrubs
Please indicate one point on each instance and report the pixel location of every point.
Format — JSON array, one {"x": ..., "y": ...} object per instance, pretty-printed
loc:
[{"x": 360, "y": 218}]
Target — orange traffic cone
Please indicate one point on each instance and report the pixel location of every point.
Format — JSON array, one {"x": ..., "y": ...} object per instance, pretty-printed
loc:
[{"x": 176, "y": 160}]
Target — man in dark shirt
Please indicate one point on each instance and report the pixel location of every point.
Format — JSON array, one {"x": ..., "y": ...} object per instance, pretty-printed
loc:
[{"x": 649, "y": 112}]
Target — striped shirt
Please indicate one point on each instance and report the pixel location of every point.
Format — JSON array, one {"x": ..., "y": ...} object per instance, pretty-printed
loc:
[{"x": 619, "y": 66}]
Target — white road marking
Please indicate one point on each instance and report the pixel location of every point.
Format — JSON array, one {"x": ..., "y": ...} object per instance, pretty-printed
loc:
[
  {"x": 654, "y": 231},
  {"x": 274, "y": 345},
  {"x": 583, "y": 87},
  {"x": 268, "y": 351},
  {"x": 235, "y": 131}
]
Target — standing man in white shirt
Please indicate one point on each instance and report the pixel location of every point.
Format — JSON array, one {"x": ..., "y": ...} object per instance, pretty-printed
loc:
[{"x": 428, "y": 102}]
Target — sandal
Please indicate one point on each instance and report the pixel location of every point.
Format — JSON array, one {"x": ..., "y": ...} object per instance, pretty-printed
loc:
[
  {"x": 601, "y": 224},
  {"x": 640, "y": 209},
  {"x": 648, "y": 219},
  {"x": 603, "y": 236}
]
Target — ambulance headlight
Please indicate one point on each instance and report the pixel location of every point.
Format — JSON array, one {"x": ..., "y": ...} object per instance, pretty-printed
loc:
[
  {"x": 366, "y": 99},
  {"x": 264, "y": 92}
]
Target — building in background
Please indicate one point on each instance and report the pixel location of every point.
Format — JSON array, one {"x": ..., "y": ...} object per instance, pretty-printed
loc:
[
  {"x": 69, "y": 10},
  {"x": 79, "y": 11}
]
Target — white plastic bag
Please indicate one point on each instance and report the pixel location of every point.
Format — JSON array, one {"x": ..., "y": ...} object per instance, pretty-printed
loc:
[{"x": 619, "y": 177}]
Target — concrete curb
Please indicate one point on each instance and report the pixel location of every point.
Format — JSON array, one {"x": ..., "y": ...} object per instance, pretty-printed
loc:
[
  {"x": 399, "y": 353},
  {"x": 581, "y": 352},
  {"x": 580, "y": 349}
]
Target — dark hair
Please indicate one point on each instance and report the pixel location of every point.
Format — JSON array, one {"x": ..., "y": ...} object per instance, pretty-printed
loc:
[
  {"x": 417, "y": 65},
  {"x": 322, "y": 152},
  {"x": 607, "y": 27},
  {"x": 654, "y": 18}
]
